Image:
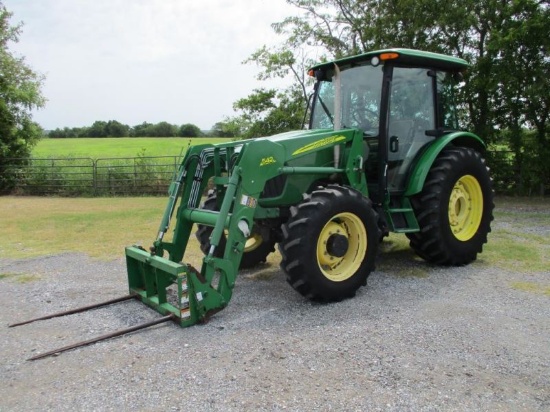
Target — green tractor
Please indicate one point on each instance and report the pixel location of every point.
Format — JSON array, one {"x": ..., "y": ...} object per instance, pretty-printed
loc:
[{"x": 383, "y": 153}]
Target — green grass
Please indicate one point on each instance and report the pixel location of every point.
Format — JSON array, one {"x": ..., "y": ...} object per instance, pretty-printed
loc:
[
  {"x": 511, "y": 250},
  {"x": 96, "y": 148},
  {"x": 20, "y": 278},
  {"x": 102, "y": 227},
  {"x": 98, "y": 227},
  {"x": 531, "y": 287},
  {"x": 506, "y": 250}
]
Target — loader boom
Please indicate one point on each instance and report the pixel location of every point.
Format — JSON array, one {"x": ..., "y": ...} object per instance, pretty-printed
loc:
[{"x": 240, "y": 172}]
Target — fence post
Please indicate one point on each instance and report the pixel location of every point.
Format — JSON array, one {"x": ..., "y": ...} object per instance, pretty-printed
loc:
[
  {"x": 135, "y": 174},
  {"x": 94, "y": 178}
]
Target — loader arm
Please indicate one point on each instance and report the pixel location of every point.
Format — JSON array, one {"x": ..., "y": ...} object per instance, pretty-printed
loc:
[{"x": 173, "y": 287}]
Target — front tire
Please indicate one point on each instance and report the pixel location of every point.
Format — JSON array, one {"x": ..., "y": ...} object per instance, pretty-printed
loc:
[
  {"x": 455, "y": 208},
  {"x": 329, "y": 244}
]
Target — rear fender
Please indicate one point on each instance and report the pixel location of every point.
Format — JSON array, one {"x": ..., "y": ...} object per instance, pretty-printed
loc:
[{"x": 424, "y": 163}]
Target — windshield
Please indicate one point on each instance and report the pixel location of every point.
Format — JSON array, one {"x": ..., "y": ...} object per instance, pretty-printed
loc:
[{"x": 361, "y": 88}]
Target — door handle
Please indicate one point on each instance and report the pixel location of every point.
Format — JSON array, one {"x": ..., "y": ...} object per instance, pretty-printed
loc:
[{"x": 394, "y": 144}]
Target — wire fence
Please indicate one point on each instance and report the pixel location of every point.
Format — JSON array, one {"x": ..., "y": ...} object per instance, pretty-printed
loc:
[{"x": 138, "y": 176}]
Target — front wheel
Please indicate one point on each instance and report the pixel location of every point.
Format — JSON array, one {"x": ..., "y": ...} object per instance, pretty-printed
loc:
[
  {"x": 454, "y": 209},
  {"x": 329, "y": 244},
  {"x": 258, "y": 245}
]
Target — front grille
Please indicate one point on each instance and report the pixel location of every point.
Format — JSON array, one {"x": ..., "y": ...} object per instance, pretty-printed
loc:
[{"x": 274, "y": 187}]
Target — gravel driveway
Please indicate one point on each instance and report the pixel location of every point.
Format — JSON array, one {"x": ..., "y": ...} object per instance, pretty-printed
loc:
[{"x": 436, "y": 339}]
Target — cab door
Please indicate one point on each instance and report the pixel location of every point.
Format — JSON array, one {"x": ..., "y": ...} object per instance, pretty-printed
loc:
[{"x": 411, "y": 112}]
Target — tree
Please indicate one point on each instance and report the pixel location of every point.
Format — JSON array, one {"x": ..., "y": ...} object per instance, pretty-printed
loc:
[
  {"x": 255, "y": 105},
  {"x": 114, "y": 128},
  {"x": 523, "y": 98},
  {"x": 506, "y": 43},
  {"x": 189, "y": 130},
  {"x": 229, "y": 127},
  {"x": 20, "y": 93},
  {"x": 266, "y": 112},
  {"x": 69, "y": 132},
  {"x": 141, "y": 130},
  {"x": 163, "y": 129},
  {"x": 57, "y": 133},
  {"x": 281, "y": 63},
  {"x": 98, "y": 129}
]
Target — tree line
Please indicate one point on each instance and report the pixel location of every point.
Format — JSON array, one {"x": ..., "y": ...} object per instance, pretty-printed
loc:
[{"x": 114, "y": 128}]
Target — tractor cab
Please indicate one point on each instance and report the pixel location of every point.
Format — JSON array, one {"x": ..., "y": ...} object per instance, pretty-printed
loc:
[{"x": 402, "y": 100}]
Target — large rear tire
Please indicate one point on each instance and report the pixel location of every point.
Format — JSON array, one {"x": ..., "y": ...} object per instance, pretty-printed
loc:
[
  {"x": 258, "y": 246},
  {"x": 329, "y": 244},
  {"x": 455, "y": 208}
]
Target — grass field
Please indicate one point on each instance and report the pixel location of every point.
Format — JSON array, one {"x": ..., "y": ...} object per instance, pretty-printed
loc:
[
  {"x": 102, "y": 227},
  {"x": 96, "y": 148},
  {"x": 98, "y": 227}
]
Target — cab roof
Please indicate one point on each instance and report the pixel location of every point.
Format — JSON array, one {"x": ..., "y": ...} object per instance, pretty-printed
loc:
[{"x": 407, "y": 57}]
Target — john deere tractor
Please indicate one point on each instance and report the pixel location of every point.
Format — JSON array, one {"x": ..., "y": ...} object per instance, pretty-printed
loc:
[{"x": 383, "y": 153}]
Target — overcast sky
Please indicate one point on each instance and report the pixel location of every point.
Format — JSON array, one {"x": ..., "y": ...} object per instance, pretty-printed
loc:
[{"x": 143, "y": 60}]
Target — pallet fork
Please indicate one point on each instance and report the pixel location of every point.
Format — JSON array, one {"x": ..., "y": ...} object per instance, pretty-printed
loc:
[{"x": 96, "y": 339}]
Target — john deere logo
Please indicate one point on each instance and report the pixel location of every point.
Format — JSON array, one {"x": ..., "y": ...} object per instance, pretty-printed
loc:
[
  {"x": 318, "y": 144},
  {"x": 267, "y": 161}
]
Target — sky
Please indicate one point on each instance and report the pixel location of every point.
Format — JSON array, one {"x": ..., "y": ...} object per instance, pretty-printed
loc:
[{"x": 178, "y": 61}]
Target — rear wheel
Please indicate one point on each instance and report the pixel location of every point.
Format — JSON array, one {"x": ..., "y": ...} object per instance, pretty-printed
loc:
[
  {"x": 257, "y": 247},
  {"x": 455, "y": 208},
  {"x": 329, "y": 244}
]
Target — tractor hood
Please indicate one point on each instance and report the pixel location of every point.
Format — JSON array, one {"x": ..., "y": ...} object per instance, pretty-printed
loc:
[{"x": 298, "y": 143}]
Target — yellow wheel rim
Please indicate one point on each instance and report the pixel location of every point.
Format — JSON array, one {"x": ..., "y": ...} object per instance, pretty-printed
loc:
[
  {"x": 339, "y": 268},
  {"x": 253, "y": 242},
  {"x": 465, "y": 208}
]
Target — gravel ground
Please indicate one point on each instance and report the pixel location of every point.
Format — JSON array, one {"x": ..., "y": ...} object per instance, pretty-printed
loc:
[{"x": 452, "y": 339}]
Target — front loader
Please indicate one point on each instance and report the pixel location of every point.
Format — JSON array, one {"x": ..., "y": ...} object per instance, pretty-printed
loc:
[{"x": 383, "y": 153}]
